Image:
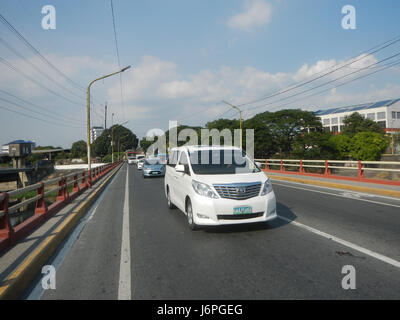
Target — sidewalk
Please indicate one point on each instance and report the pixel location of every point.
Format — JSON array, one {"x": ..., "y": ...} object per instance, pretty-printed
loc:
[
  {"x": 373, "y": 188},
  {"x": 22, "y": 262}
]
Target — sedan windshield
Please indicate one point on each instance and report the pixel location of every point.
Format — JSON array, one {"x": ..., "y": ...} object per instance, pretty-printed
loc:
[
  {"x": 150, "y": 162},
  {"x": 221, "y": 162}
]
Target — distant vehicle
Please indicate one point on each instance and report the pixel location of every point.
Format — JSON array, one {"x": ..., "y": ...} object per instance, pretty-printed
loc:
[
  {"x": 218, "y": 185},
  {"x": 140, "y": 164},
  {"x": 131, "y": 159},
  {"x": 152, "y": 167},
  {"x": 139, "y": 157}
]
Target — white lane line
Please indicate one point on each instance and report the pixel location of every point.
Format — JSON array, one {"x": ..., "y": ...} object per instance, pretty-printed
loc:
[
  {"x": 124, "y": 288},
  {"x": 336, "y": 194},
  {"x": 345, "y": 243},
  {"x": 338, "y": 189}
]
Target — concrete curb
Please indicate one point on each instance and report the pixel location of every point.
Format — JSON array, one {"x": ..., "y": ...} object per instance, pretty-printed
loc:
[
  {"x": 384, "y": 192},
  {"x": 20, "y": 278}
]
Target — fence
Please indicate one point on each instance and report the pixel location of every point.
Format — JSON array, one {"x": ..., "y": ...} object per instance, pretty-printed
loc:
[
  {"x": 303, "y": 167},
  {"x": 80, "y": 181}
]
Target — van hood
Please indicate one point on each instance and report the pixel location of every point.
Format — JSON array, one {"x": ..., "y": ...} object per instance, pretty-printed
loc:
[{"x": 231, "y": 178}]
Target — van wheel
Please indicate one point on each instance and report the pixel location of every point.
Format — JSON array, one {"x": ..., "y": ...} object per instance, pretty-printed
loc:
[
  {"x": 170, "y": 204},
  {"x": 189, "y": 215}
]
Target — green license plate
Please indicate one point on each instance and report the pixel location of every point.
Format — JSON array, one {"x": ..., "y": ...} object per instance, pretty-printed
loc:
[{"x": 242, "y": 210}]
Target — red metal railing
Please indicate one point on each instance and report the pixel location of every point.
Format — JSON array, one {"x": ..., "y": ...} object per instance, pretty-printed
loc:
[
  {"x": 298, "y": 167},
  {"x": 80, "y": 181}
]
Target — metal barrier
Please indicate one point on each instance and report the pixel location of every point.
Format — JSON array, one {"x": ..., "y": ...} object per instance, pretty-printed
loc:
[
  {"x": 80, "y": 181},
  {"x": 327, "y": 165}
]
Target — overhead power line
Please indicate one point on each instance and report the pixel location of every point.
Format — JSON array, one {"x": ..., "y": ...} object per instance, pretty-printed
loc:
[
  {"x": 42, "y": 108},
  {"x": 339, "y": 66},
  {"x": 118, "y": 58},
  {"x": 36, "y": 51},
  {"x": 325, "y": 83},
  {"x": 12, "y": 67},
  {"x": 48, "y": 77},
  {"x": 394, "y": 63},
  {"x": 36, "y": 118}
]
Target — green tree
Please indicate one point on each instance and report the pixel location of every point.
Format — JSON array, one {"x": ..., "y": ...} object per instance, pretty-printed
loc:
[
  {"x": 79, "y": 149},
  {"x": 341, "y": 143},
  {"x": 285, "y": 126},
  {"x": 314, "y": 145},
  {"x": 127, "y": 139},
  {"x": 356, "y": 123},
  {"x": 367, "y": 146}
]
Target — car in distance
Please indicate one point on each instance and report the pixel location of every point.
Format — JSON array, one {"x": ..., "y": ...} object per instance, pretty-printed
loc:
[
  {"x": 139, "y": 157},
  {"x": 216, "y": 185},
  {"x": 140, "y": 164},
  {"x": 131, "y": 159},
  {"x": 153, "y": 167}
]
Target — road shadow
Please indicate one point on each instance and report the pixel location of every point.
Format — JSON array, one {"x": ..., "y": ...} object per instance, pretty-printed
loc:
[{"x": 283, "y": 211}]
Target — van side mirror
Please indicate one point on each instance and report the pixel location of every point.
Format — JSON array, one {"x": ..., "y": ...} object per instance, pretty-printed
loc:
[{"x": 180, "y": 168}]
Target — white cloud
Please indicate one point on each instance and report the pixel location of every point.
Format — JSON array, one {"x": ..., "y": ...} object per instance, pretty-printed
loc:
[{"x": 256, "y": 13}]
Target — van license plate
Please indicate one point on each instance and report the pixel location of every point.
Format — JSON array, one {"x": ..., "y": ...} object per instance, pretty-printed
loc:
[{"x": 242, "y": 210}]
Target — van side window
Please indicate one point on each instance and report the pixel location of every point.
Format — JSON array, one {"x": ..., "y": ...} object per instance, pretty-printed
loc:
[
  {"x": 173, "y": 159},
  {"x": 184, "y": 160}
]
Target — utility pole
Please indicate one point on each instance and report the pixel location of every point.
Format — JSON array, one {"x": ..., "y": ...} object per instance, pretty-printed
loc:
[
  {"x": 105, "y": 116},
  {"x": 240, "y": 121}
]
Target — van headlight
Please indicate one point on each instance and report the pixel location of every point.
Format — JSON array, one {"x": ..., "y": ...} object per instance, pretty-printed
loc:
[
  {"x": 267, "y": 188},
  {"x": 203, "y": 189}
]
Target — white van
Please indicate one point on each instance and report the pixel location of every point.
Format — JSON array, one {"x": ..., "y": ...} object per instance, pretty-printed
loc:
[{"x": 215, "y": 185}]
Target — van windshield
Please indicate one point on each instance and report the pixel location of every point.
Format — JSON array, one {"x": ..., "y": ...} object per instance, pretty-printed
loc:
[{"x": 221, "y": 162}]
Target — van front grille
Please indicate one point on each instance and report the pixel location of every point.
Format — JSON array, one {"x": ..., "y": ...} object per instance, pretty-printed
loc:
[{"x": 238, "y": 191}]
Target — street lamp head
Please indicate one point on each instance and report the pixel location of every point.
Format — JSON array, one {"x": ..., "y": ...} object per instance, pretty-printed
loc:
[{"x": 126, "y": 68}]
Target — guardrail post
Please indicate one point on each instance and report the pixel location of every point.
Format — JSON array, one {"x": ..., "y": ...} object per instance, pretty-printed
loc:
[
  {"x": 89, "y": 181},
  {"x": 327, "y": 170},
  {"x": 301, "y": 166},
  {"x": 266, "y": 165},
  {"x": 282, "y": 166},
  {"x": 75, "y": 188},
  {"x": 66, "y": 193},
  {"x": 6, "y": 229},
  {"x": 360, "y": 173},
  {"x": 41, "y": 207},
  {"x": 83, "y": 182}
]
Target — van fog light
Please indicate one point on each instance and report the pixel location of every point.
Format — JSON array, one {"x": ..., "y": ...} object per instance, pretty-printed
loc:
[{"x": 202, "y": 216}]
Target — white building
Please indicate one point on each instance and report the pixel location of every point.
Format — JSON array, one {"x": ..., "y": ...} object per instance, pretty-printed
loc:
[
  {"x": 386, "y": 113},
  {"x": 95, "y": 132}
]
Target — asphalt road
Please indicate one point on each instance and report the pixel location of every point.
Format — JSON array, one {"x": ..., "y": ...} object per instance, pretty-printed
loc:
[{"x": 290, "y": 258}]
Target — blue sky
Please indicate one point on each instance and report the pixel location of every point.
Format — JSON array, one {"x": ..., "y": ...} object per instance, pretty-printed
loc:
[{"x": 187, "y": 56}]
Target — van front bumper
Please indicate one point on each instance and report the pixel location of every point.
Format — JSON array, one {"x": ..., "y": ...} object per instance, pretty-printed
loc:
[{"x": 207, "y": 211}]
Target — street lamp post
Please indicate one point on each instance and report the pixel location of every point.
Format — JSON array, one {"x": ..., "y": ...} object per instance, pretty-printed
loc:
[
  {"x": 88, "y": 119},
  {"x": 240, "y": 121}
]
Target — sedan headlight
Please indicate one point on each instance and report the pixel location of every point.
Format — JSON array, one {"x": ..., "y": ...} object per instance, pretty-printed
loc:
[
  {"x": 203, "y": 189},
  {"x": 267, "y": 188}
]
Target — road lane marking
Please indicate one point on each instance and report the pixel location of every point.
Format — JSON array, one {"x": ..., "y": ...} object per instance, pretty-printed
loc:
[
  {"x": 338, "y": 195},
  {"x": 345, "y": 243},
  {"x": 124, "y": 288}
]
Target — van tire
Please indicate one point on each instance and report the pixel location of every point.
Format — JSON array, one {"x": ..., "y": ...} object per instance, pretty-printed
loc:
[{"x": 189, "y": 215}]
